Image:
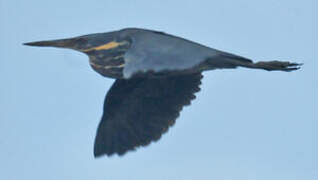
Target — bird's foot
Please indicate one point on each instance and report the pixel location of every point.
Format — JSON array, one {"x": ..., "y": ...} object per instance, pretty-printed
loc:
[{"x": 278, "y": 65}]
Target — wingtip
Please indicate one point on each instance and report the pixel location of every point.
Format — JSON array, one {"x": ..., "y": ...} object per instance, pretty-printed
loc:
[
  {"x": 98, "y": 152},
  {"x": 98, "y": 155}
]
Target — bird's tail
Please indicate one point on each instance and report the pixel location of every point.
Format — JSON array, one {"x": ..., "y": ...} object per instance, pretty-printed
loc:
[{"x": 236, "y": 61}]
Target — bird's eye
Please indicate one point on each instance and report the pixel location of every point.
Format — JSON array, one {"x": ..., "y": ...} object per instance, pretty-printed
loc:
[{"x": 80, "y": 41}]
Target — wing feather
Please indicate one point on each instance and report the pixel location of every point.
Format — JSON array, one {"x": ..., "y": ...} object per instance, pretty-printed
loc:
[{"x": 138, "y": 111}]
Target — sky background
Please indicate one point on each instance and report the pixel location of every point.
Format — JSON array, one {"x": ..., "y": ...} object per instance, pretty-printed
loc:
[{"x": 244, "y": 125}]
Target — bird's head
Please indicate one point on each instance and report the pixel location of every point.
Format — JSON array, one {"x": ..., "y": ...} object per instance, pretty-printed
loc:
[{"x": 85, "y": 43}]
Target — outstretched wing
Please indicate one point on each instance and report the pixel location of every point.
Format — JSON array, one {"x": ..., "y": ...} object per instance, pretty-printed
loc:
[{"x": 139, "y": 110}]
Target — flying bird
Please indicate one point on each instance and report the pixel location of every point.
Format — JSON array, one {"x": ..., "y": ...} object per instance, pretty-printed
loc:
[{"x": 156, "y": 74}]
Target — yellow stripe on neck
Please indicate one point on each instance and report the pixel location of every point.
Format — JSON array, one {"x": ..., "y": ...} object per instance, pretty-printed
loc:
[{"x": 110, "y": 45}]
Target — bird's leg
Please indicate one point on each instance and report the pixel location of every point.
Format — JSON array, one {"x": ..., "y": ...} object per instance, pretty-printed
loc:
[
  {"x": 227, "y": 60},
  {"x": 276, "y": 65}
]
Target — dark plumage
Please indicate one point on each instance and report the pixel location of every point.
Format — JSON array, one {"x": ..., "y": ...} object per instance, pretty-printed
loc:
[
  {"x": 156, "y": 74},
  {"x": 140, "y": 110}
]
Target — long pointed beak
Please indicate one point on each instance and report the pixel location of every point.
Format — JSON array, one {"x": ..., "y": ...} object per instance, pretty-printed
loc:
[{"x": 72, "y": 43}]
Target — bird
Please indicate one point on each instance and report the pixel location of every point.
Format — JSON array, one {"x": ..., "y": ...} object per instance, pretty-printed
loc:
[{"x": 156, "y": 74}]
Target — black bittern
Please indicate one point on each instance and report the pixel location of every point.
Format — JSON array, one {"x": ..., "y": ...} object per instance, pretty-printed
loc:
[{"x": 156, "y": 75}]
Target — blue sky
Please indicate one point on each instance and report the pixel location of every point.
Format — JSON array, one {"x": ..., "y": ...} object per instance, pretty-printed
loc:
[{"x": 245, "y": 124}]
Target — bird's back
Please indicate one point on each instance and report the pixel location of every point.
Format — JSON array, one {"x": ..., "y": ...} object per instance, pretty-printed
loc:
[{"x": 156, "y": 51}]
